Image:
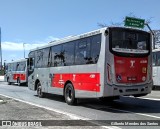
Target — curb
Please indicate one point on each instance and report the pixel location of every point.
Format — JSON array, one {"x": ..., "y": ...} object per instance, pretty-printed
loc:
[
  {"x": 1, "y": 101},
  {"x": 1, "y": 78}
]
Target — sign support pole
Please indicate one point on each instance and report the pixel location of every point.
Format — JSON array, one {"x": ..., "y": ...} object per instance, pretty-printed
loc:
[{"x": 152, "y": 35}]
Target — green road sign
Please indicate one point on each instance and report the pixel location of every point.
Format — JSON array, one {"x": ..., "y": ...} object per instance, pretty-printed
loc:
[{"x": 134, "y": 22}]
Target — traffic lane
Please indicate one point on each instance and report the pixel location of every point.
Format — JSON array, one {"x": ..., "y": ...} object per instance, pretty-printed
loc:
[
  {"x": 87, "y": 108},
  {"x": 133, "y": 104},
  {"x": 20, "y": 113},
  {"x": 155, "y": 94},
  {"x": 125, "y": 108},
  {"x": 137, "y": 105}
]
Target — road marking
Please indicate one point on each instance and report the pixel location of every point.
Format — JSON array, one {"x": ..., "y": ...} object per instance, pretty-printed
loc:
[
  {"x": 152, "y": 116},
  {"x": 145, "y": 98},
  {"x": 72, "y": 116},
  {"x": 138, "y": 113},
  {"x": 151, "y": 99},
  {"x": 130, "y": 112},
  {"x": 134, "y": 113}
]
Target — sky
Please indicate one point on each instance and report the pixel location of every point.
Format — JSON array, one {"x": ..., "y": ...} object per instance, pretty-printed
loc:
[{"x": 26, "y": 24}]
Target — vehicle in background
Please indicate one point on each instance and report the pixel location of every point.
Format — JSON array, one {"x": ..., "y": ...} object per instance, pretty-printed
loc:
[
  {"x": 156, "y": 68},
  {"x": 16, "y": 72},
  {"x": 105, "y": 63}
]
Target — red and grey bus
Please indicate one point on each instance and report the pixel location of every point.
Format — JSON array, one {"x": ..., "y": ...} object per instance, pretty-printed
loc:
[
  {"x": 109, "y": 62},
  {"x": 16, "y": 72}
]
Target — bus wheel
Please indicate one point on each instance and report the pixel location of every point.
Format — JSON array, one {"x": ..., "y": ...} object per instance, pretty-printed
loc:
[
  {"x": 39, "y": 90},
  {"x": 8, "y": 81},
  {"x": 69, "y": 94},
  {"x": 18, "y": 82},
  {"x": 139, "y": 95}
]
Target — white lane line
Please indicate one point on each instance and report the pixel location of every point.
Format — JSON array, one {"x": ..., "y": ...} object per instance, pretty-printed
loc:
[
  {"x": 72, "y": 116},
  {"x": 139, "y": 113},
  {"x": 151, "y": 99},
  {"x": 134, "y": 113}
]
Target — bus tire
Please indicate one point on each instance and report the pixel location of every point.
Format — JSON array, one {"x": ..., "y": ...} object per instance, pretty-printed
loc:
[
  {"x": 18, "y": 82},
  {"x": 8, "y": 81},
  {"x": 39, "y": 90},
  {"x": 69, "y": 94},
  {"x": 139, "y": 95}
]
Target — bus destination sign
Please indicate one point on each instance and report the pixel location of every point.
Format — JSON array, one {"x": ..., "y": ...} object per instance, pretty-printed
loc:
[{"x": 134, "y": 22}]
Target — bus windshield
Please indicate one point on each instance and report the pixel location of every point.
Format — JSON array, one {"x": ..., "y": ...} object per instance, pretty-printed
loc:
[
  {"x": 127, "y": 41},
  {"x": 21, "y": 66}
]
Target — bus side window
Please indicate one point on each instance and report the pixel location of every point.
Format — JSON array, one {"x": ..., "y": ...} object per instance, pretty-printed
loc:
[
  {"x": 68, "y": 49},
  {"x": 82, "y": 52},
  {"x": 95, "y": 48},
  {"x": 57, "y": 56}
]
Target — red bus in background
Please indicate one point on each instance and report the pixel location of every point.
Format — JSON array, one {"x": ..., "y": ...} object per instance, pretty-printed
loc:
[
  {"x": 16, "y": 72},
  {"x": 105, "y": 63}
]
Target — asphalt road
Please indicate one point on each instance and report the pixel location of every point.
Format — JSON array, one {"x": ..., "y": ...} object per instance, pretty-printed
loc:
[{"x": 126, "y": 108}]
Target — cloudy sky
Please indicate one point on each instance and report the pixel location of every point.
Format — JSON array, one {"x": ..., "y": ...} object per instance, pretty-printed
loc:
[{"x": 37, "y": 22}]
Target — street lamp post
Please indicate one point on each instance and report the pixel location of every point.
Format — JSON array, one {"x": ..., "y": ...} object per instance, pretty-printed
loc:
[
  {"x": 153, "y": 35},
  {"x": 4, "y": 63},
  {"x": 24, "y": 49},
  {"x": 4, "y": 66}
]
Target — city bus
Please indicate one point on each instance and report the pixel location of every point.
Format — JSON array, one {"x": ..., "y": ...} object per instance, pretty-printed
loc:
[
  {"x": 105, "y": 63},
  {"x": 16, "y": 72},
  {"x": 156, "y": 68}
]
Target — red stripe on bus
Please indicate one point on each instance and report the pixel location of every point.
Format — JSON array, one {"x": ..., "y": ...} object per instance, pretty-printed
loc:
[
  {"x": 20, "y": 76},
  {"x": 81, "y": 81}
]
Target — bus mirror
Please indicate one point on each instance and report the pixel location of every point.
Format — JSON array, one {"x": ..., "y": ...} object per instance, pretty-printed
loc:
[
  {"x": 106, "y": 32},
  {"x": 31, "y": 68}
]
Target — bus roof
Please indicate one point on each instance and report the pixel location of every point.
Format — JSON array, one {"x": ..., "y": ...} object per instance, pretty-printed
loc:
[
  {"x": 70, "y": 38},
  {"x": 19, "y": 60},
  {"x": 76, "y": 37}
]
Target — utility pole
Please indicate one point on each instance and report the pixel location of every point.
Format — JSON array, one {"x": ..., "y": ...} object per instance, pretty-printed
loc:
[
  {"x": 0, "y": 50},
  {"x": 152, "y": 35},
  {"x": 24, "y": 49}
]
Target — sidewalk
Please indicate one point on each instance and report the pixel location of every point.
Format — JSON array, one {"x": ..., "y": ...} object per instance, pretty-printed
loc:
[
  {"x": 18, "y": 114},
  {"x": 1, "y": 78},
  {"x": 1, "y": 101}
]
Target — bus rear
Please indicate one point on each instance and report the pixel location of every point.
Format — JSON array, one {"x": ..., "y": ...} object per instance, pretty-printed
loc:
[
  {"x": 128, "y": 62},
  {"x": 16, "y": 72}
]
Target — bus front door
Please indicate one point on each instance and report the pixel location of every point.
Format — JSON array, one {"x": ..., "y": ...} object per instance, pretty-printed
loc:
[{"x": 31, "y": 79}]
